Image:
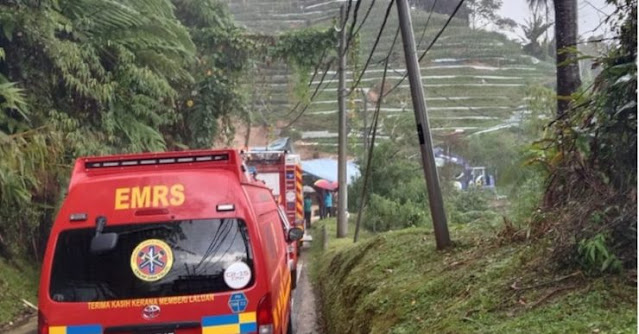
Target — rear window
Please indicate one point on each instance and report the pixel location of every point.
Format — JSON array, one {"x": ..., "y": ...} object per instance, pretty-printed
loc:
[{"x": 153, "y": 260}]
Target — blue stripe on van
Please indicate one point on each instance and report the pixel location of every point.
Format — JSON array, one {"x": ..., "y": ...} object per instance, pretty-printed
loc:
[
  {"x": 228, "y": 319},
  {"x": 248, "y": 328},
  {"x": 86, "y": 329}
]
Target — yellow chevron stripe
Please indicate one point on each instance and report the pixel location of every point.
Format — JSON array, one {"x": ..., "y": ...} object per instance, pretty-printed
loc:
[{"x": 223, "y": 329}]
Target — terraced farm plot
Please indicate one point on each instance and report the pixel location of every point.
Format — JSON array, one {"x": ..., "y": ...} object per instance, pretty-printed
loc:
[{"x": 474, "y": 80}]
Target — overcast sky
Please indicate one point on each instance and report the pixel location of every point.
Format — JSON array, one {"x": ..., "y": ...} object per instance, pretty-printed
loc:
[{"x": 590, "y": 14}]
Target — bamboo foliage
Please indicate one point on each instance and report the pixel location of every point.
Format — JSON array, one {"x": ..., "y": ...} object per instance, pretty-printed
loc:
[
  {"x": 92, "y": 77},
  {"x": 85, "y": 77}
]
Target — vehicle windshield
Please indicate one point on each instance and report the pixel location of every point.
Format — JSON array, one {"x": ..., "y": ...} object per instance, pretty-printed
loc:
[{"x": 151, "y": 260}]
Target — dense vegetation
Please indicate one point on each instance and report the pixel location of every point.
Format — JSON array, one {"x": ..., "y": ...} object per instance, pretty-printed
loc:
[
  {"x": 85, "y": 77},
  {"x": 575, "y": 186},
  {"x": 590, "y": 156},
  {"x": 396, "y": 282},
  {"x": 560, "y": 259},
  {"x": 95, "y": 77}
]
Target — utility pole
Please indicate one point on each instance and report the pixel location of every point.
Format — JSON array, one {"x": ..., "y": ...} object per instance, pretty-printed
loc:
[
  {"x": 423, "y": 127},
  {"x": 364, "y": 92},
  {"x": 342, "y": 223}
]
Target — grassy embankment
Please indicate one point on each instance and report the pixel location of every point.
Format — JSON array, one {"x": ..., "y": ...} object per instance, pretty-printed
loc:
[
  {"x": 18, "y": 281},
  {"x": 397, "y": 282}
]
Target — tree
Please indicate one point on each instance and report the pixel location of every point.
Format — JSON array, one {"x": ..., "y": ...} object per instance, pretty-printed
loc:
[
  {"x": 566, "y": 35},
  {"x": 533, "y": 29},
  {"x": 441, "y": 7},
  {"x": 482, "y": 10}
]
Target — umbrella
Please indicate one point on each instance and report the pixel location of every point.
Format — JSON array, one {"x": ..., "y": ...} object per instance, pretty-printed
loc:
[
  {"x": 325, "y": 184},
  {"x": 308, "y": 189}
]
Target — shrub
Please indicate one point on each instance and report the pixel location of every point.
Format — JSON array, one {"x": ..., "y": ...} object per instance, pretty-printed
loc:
[
  {"x": 383, "y": 214},
  {"x": 595, "y": 256}
]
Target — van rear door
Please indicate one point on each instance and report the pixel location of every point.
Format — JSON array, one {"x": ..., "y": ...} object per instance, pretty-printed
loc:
[{"x": 185, "y": 276}]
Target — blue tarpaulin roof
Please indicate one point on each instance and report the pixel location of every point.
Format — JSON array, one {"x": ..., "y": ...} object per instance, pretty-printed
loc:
[{"x": 327, "y": 169}]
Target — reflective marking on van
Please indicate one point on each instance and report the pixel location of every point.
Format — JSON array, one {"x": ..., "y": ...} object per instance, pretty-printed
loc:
[
  {"x": 230, "y": 323},
  {"x": 282, "y": 299},
  {"x": 84, "y": 329}
]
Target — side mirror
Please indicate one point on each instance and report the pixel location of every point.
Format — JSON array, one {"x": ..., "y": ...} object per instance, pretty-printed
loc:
[
  {"x": 295, "y": 234},
  {"x": 104, "y": 242}
]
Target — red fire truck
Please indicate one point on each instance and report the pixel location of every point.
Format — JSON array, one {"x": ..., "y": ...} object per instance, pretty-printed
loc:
[{"x": 282, "y": 172}]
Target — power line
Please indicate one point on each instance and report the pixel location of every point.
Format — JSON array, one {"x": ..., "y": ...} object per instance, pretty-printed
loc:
[
  {"x": 353, "y": 33},
  {"x": 379, "y": 36},
  {"x": 317, "y": 91},
  {"x": 370, "y": 56},
  {"x": 369, "y": 158},
  {"x": 310, "y": 82},
  {"x": 441, "y": 31},
  {"x": 421, "y": 38},
  {"x": 350, "y": 35}
]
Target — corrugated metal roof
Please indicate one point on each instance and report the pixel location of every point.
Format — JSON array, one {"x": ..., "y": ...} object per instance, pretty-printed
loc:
[{"x": 327, "y": 169}]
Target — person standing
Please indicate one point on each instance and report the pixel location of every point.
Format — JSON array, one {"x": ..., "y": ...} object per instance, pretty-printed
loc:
[
  {"x": 320, "y": 200},
  {"x": 308, "y": 210},
  {"x": 328, "y": 203}
]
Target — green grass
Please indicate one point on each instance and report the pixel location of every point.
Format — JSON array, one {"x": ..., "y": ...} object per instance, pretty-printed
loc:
[
  {"x": 17, "y": 281},
  {"x": 397, "y": 283}
]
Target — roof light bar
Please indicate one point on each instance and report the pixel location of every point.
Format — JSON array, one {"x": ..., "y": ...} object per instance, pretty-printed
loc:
[{"x": 157, "y": 161}]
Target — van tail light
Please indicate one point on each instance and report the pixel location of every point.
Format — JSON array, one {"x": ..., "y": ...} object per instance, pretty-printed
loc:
[
  {"x": 265, "y": 315},
  {"x": 43, "y": 326}
]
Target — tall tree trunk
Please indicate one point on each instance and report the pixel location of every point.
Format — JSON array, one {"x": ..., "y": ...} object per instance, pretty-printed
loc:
[{"x": 568, "y": 79}]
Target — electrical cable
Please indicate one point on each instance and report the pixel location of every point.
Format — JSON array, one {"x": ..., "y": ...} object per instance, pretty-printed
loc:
[
  {"x": 370, "y": 56},
  {"x": 310, "y": 82},
  {"x": 317, "y": 91},
  {"x": 441, "y": 31},
  {"x": 430, "y": 14},
  {"x": 388, "y": 9},
  {"x": 356, "y": 31},
  {"x": 369, "y": 157}
]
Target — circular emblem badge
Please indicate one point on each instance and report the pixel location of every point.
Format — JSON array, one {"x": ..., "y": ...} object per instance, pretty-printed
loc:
[
  {"x": 290, "y": 196},
  {"x": 237, "y": 275},
  {"x": 151, "y": 260}
]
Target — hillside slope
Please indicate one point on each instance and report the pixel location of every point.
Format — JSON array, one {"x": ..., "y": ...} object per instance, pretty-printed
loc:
[
  {"x": 474, "y": 80},
  {"x": 18, "y": 281},
  {"x": 397, "y": 283}
]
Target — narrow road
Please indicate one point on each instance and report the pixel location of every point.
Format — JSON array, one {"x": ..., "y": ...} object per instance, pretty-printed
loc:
[
  {"x": 305, "y": 319},
  {"x": 29, "y": 327}
]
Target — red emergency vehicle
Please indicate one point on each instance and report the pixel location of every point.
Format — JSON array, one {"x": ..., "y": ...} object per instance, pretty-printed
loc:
[
  {"x": 282, "y": 173},
  {"x": 176, "y": 242}
]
